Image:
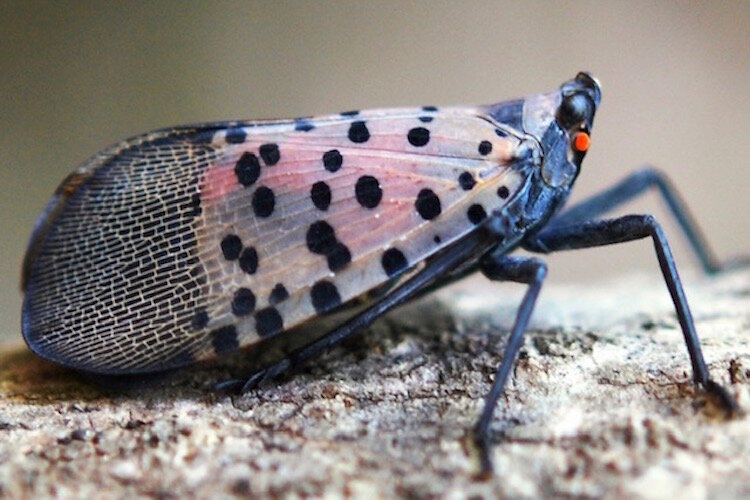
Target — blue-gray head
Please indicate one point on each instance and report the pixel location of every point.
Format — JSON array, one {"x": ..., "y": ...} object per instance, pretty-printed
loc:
[{"x": 559, "y": 122}]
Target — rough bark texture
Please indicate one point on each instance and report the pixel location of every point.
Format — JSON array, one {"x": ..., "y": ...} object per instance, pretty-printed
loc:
[{"x": 601, "y": 404}]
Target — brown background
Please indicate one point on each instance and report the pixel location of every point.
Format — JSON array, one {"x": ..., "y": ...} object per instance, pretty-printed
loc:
[{"x": 76, "y": 77}]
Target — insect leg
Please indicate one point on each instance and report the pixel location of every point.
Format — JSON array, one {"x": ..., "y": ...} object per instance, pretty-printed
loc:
[
  {"x": 633, "y": 227},
  {"x": 530, "y": 271},
  {"x": 475, "y": 244},
  {"x": 629, "y": 188}
]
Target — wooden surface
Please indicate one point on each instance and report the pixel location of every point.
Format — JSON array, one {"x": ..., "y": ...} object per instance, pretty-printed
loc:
[{"x": 601, "y": 404}]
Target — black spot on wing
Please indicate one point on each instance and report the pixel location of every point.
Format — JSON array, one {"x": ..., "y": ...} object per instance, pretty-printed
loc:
[
  {"x": 332, "y": 160},
  {"x": 231, "y": 246},
  {"x": 224, "y": 339},
  {"x": 368, "y": 191},
  {"x": 418, "y": 136},
  {"x": 303, "y": 125},
  {"x": 235, "y": 135},
  {"x": 393, "y": 262},
  {"x": 476, "y": 214},
  {"x": 278, "y": 294},
  {"x": 263, "y": 201},
  {"x": 320, "y": 194},
  {"x": 427, "y": 204},
  {"x": 247, "y": 169},
  {"x": 270, "y": 154},
  {"x": 466, "y": 181},
  {"x": 320, "y": 237},
  {"x": 249, "y": 260},
  {"x": 202, "y": 136},
  {"x": 325, "y": 296},
  {"x": 243, "y": 302},
  {"x": 268, "y": 322},
  {"x": 200, "y": 319},
  {"x": 195, "y": 203},
  {"x": 339, "y": 257},
  {"x": 358, "y": 132}
]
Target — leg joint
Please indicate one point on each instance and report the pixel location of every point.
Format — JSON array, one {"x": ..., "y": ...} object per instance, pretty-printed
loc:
[
  {"x": 539, "y": 270},
  {"x": 654, "y": 228},
  {"x": 650, "y": 222},
  {"x": 509, "y": 268},
  {"x": 650, "y": 175},
  {"x": 632, "y": 225}
]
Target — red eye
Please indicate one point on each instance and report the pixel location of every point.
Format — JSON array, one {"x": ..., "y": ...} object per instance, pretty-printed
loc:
[{"x": 581, "y": 142}]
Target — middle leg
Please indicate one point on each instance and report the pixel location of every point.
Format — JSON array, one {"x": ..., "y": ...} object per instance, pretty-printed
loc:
[{"x": 527, "y": 270}]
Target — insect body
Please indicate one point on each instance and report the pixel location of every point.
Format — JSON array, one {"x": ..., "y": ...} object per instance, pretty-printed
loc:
[{"x": 188, "y": 243}]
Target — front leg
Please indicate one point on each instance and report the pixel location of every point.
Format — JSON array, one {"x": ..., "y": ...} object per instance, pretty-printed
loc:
[
  {"x": 629, "y": 228},
  {"x": 630, "y": 188}
]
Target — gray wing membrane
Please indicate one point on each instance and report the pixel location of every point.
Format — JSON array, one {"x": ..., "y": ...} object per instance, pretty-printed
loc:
[{"x": 112, "y": 276}]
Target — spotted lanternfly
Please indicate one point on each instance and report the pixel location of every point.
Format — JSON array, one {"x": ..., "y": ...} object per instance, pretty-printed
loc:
[{"x": 188, "y": 243}]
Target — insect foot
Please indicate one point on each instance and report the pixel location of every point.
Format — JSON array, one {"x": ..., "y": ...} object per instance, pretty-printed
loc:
[
  {"x": 734, "y": 263},
  {"x": 260, "y": 379},
  {"x": 231, "y": 386},
  {"x": 724, "y": 398}
]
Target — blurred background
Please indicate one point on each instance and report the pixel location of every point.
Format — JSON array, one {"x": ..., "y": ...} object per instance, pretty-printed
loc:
[{"x": 76, "y": 77}]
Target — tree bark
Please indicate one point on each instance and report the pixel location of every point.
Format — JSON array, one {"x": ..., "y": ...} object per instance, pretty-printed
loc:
[{"x": 601, "y": 403}]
